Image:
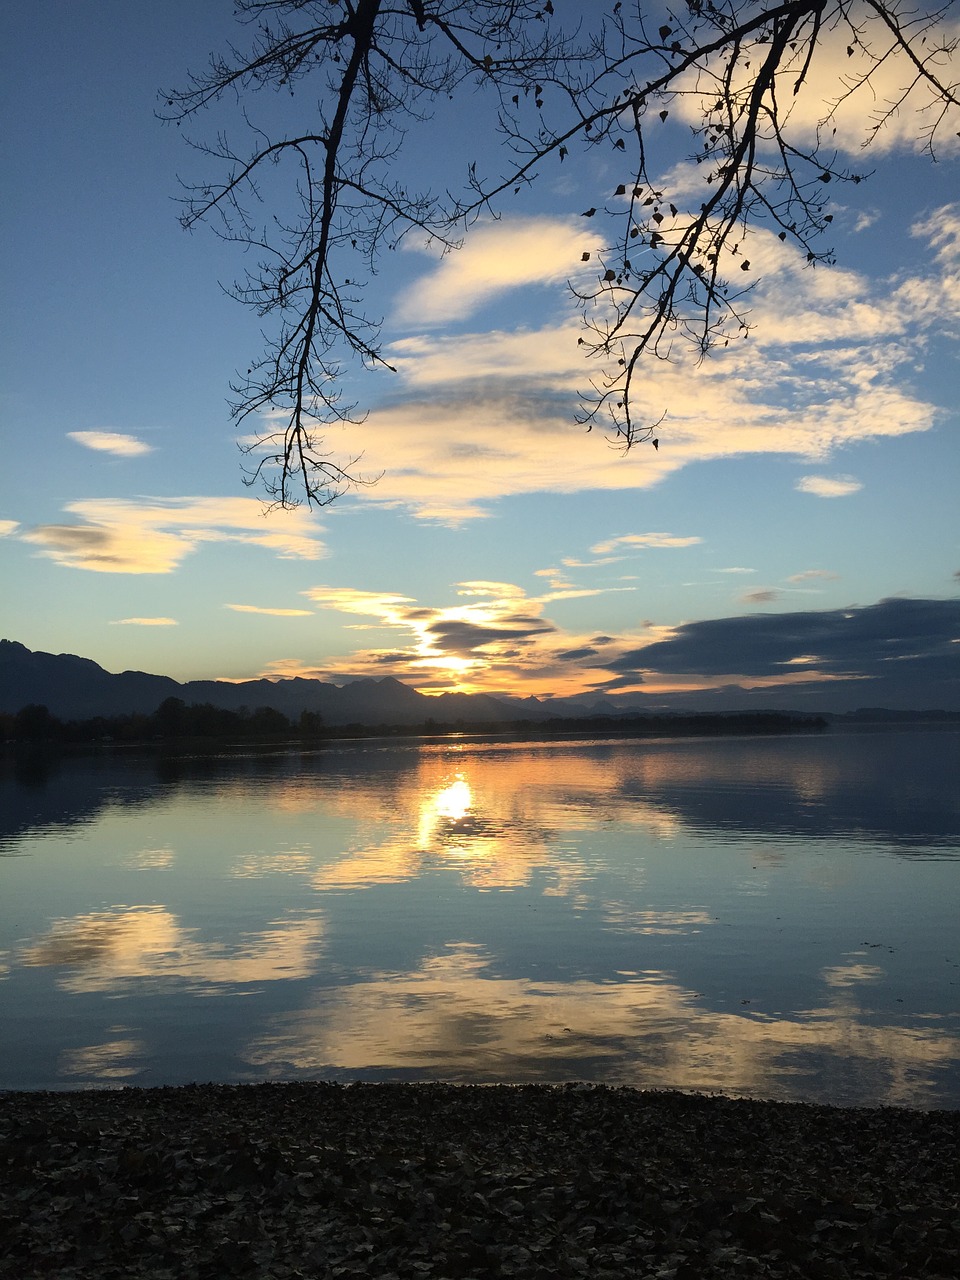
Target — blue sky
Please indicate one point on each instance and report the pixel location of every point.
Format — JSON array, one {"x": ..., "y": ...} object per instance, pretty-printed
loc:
[{"x": 812, "y": 469}]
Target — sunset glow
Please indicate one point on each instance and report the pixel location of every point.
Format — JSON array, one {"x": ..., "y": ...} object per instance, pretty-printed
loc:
[{"x": 494, "y": 545}]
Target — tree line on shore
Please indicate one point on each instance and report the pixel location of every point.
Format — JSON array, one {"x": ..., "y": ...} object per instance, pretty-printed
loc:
[{"x": 174, "y": 721}]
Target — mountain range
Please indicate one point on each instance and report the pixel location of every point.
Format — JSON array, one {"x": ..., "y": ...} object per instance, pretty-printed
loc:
[{"x": 74, "y": 688}]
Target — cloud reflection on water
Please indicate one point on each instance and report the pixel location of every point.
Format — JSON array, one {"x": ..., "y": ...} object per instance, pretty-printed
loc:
[
  {"x": 505, "y": 910},
  {"x": 125, "y": 947},
  {"x": 114, "y": 1062},
  {"x": 455, "y": 1019}
]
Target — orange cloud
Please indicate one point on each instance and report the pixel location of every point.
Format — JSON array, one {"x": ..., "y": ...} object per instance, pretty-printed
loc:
[
  {"x": 495, "y": 639},
  {"x": 270, "y": 613}
]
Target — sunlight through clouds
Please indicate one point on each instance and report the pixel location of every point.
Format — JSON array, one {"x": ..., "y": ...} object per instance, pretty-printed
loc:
[
  {"x": 496, "y": 639},
  {"x": 154, "y": 535},
  {"x": 501, "y": 641},
  {"x": 474, "y": 559}
]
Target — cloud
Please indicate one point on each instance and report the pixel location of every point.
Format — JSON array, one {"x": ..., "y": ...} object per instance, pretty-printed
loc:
[
  {"x": 479, "y": 417},
  {"x": 111, "y": 442},
  {"x": 893, "y": 108},
  {"x": 459, "y": 1012},
  {"x": 497, "y": 639},
  {"x": 495, "y": 258},
  {"x": 810, "y": 574},
  {"x": 494, "y": 638},
  {"x": 828, "y": 486},
  {"x": 529, "y": 441},
  {"x": 905, "y": 648},
  {"x": 856, "y": 82},
  {"x": 764, "y": 595},
  {"x": 736, "y": 568},
  {"x": 630, "y": 540},
  {"x": 144, "y": 622},
  {"x": 351, "y": 600},
  {"x": 570, "y": 562},
  {"x": 154, "y": 535},
  {"x": 7, "y": 527},
  {"x": 271, "y": 613}
]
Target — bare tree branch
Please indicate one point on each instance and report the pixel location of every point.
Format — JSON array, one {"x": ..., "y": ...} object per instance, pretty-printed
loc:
[{"x": 676, "y": 268}]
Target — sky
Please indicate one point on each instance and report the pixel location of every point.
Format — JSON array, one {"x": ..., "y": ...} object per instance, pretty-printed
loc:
[{"x": 795, "y": 537}]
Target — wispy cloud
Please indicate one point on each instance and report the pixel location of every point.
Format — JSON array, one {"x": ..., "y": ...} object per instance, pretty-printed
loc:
[
  {"x": 828, "y": 486},
  {"x": 496, "y": 258},
  {"x": 7, "y": 527},
  {"x": 570, "y": 562},
  {"x": 485, "y": 416},
  {"x": 497, "y": 639},
  {"x": 853, "y": 83},
  {"x": 154, "y": 535},
  {"x": 122, "y": 446},
  {"x": 813, "y": 574},
  {"x": 763, "y": 595},
  {"x": 493, "y": 637},
  {"x": 633, "y": 541},
  {"x": 144, "y": 622},
  {"x": 270, "y": 613}
]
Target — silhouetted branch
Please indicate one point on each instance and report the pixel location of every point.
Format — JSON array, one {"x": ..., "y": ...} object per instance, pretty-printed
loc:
[{"x": 676, "y": 268}]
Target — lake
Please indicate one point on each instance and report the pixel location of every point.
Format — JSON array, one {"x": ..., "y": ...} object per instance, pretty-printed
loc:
[{"x": 776, "y": 917}]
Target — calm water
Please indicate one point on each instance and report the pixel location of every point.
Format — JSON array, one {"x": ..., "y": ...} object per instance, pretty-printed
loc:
[{"x": 774, "y": 917}]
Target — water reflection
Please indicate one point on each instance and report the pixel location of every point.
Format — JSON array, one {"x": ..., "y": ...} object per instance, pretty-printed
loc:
[
  {"x": 455, "y": 1020},
  {"x": 772, "y": 917},
  {"x": 113, "y": 951},
  {"x": 114, "y": 1062},
  {"x": 895, "y": 786}
]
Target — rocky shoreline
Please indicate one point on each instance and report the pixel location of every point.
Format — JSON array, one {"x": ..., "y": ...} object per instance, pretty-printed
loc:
[{"x": 433, "y": 1180}]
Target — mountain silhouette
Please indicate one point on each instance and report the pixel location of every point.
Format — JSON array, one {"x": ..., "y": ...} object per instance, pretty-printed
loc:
[{"x": 75, "y": 688}]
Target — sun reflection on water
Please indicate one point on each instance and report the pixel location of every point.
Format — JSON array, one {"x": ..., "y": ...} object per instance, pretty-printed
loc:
[
  {"x": 665, "y": 915},
  {"x": 454, "y": 802}
]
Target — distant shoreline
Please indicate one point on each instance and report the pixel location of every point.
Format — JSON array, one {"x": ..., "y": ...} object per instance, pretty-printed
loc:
[
  {"x": 201, "y": 729},
  {"x": 229, "y": 731}
]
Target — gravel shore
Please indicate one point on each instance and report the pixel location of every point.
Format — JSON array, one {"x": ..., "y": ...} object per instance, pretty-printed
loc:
[{"x": 432, "y": 1180}]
